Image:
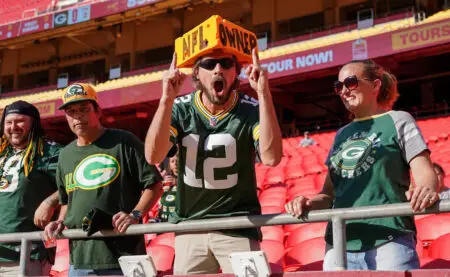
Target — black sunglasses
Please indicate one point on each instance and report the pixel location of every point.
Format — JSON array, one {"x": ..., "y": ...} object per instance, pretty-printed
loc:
[
  {"x": 210, "y": 64},
  {"x": 351, "y": 82}
]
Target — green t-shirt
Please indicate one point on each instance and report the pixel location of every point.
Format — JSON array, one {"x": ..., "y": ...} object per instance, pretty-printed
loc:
[
  {"x": 108, "y": 174},
  {"x": 216, "y": 173},
  {"x": 21, "y": 196},
  {"x": 369, "y": 165}
]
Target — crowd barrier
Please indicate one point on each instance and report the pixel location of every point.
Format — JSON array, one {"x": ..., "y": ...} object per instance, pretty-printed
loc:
[{"x": 337, "y": 216}]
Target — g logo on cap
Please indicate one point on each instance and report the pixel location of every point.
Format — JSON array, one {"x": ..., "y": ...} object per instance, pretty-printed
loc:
[
  {"x": 75, "y": 90},
  {"x": 78, "y": 92}
]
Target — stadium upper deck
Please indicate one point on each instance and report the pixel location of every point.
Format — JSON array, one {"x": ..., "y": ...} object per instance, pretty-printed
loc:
[{"x": 274, "y": 56}]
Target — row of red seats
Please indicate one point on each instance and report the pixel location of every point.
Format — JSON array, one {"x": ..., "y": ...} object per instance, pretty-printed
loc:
[{"x": 13, "y": 10}]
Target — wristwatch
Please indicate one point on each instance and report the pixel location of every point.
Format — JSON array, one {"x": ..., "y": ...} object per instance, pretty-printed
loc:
[{"x": 137, "y": 215}]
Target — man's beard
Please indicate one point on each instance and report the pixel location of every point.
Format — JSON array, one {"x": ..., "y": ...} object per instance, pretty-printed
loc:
[
  {"x": 22, "y": 141},
  {"x": 215, "y": 99}
]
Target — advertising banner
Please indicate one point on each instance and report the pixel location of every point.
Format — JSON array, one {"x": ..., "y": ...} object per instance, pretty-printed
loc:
[
  {"x": 34, "y": 25},
  {"x": 9, "y": 31},
  {"x": 423, "y": 36}
]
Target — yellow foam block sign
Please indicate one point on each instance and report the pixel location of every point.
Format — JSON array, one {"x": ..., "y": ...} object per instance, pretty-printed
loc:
[{"x": 215, "y": 33}]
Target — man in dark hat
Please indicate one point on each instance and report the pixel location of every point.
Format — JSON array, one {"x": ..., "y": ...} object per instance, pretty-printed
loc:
[{"x": 28, "y": 192}]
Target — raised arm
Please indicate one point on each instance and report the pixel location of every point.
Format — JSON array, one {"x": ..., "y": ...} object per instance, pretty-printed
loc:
[
  {"x": 157, "y": 142},
  {"x": 270, "y": 145}
]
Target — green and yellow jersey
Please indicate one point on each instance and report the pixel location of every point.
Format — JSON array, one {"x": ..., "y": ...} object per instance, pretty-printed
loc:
[
  {"x": 21, "y": 195},
  {"x": 216, "y": 173}
]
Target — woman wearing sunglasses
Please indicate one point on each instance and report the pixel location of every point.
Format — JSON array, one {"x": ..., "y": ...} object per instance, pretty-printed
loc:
[{"x": 369, "y": 164}]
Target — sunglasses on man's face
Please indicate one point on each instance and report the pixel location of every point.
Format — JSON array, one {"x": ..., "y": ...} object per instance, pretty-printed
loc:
[{"x": 210, "y": 64}]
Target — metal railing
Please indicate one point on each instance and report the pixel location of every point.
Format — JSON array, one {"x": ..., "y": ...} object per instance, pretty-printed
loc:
[{"x": 337, "y": 216}]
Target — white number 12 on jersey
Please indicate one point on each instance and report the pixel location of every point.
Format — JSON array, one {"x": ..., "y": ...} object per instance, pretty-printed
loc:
[{"x": 191, "y": 143}]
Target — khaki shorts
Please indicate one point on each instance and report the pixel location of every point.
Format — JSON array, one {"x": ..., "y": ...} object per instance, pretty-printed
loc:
[{"x": 206, "y": 252}]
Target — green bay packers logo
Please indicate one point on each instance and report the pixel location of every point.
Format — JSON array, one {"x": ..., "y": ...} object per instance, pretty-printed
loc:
[
  {"x": 96, "y": 171},
  {"x": 352, "y": 154},
  {"x": 170, "y": 198},
  {"x": 354, "y": 157},
  {"x": 74, "y": 90}
]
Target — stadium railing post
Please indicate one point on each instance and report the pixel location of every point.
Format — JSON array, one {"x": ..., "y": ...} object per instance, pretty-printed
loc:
[
  {"x": 339, "y": 240},
  {"x": 24, "y": 256}
]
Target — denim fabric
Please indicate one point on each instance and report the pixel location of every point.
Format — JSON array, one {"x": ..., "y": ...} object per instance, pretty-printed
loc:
[{"x": 398, "y": 255}]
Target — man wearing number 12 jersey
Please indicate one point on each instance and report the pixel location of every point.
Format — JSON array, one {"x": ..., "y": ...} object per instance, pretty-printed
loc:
[{"x": 218, "y": 131}]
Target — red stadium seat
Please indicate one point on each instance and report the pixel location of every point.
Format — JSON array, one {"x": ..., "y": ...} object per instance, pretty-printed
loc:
[
  {"x": 274, "y": 251},
  {"x": 305, "y": 256},
  {"x": 62, "y": 256},
  {"x": 310, "y": 158},
  {"x": 275, "y": 233},
  {"x": 275, "y": 175},
  {"x": 305, "y": 232},
  {"x": 439, "y": 254},
  {"x": 289, "y": 228},
  {"x": 272, "y": 210},
  {"x": 294, "y": 171},
  {"x": 260, "y": 177},
  {"x": 314, "y": 168},
  {"x": 440, "y": 247},
  {"x": 295, "y": 161},
  {"x": 419, "y": 248},
  {"x": 11, "y": 10},
  {"x": 307, "y": 181},
  {"x": 167, "y": 239},
  {"x": 302, "y": 191},
  {"x": 61, "y": 261},
  {"x": 431, "y": 227},
  {"x": 288, "y": 148},
  {"x": 162, "y": 256},
  {"x": 266, "y": 195},
  {"x": 443, "y": 136},
  {"x": 275, "y": 188},
  {"x": 64, "y": 273},
  {"x": 320, "y": 179},
  {"x": 272, "y": 201},
  {"x": 149, "y": 237},
  {"x": 62, "y": 245},
  {"x": 274, "y": 194}
]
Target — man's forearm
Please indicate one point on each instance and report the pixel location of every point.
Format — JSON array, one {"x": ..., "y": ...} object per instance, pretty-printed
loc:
[
  {"x": 270, "y": 145},
  {"x": 157, "y": 141},
  {"x": 53, "y": 200},
  {"x": 149, "y": 198},
  {"x": 322, "y": 201},
  {"x": 62, "y": 213}
]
